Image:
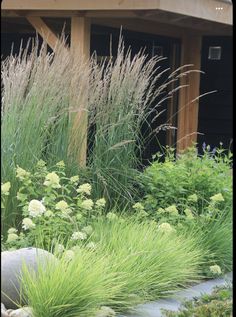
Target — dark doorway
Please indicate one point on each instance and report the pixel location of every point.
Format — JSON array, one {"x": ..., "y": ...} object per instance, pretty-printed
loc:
[{"x": 215, "y": 110}]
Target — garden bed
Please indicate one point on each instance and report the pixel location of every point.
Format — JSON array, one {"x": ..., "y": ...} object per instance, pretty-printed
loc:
[{"x": 122, "y": 236}]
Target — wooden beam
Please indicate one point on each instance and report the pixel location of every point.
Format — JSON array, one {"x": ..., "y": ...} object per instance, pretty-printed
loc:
[
  {"x": 203, "y": 9},
  {"x": 144, "y": 26},
  {"x": 188, "y": 110},
  {"x": 42, "y": 29},
  {"x": 80, "y": 49}
]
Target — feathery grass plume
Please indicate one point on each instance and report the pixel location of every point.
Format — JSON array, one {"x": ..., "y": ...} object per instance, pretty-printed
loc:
[
  {"x": 123, "y": 94},
  {"x": 49, "y": 97}
]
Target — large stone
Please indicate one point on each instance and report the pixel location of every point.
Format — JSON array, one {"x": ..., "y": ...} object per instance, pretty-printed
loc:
[
  {"x": 3, "y": 311},
  {"x": 21, "y": 312},
  {"x": 11, "y": 270}
]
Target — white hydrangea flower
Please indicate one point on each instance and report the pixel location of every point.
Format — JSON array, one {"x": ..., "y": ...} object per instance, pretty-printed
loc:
[
  {"x": 166, "y": 227},
  {"x": 193, "y": 198},
  {"x": 21, "y": 196},
  {"x": 138, "y": 207},
  {"x": 88, "y": 230},
  {"x": 188, "y": 213},
  {"x": 12, "y": 237},
  {"x": 53, "y": 180},
  {"x": 62, "y": 205},
  {"x": 12, "y": 230},
  {"x": 78, "y": 235},
  {"x": 217, "y": 197},
  {"x": 59, "y": 248},
  {"x": 5, "y": 188},
  {"x": 36, "y": 208},
  {"x": 41, "y": 164},
  {"x": 100, "y": 203},
  {"x": 69, "y": 255},
  {"x": 172, "y": 209},
  {"x": 27, "y": 224},
  {"x": 49, "y": 214},
  {"x": 74, "y": 179},
  {"x": 21, "y": 173},
  {"x": 79, "y": 216},
  {"x": 61, "y": 164},
  {"x": 84, "y": 189},
  {"x": 215, "y": 269},
  {"x": 161, "y": 210},
  {"x": 111, "y": 216},
  {"x": 87, "y": 204}
]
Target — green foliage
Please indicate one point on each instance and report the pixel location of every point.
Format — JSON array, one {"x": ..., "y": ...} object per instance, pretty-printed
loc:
[
  {"x": 217, "y": 304},
  {"x": 128, "y": 266},
  {"x": 155, "y": 262},
  {"x": 217, "y": 239},
  {"x": 193, "y": 194},
  {"x": 214, "y": 237},
  {"x": 191, "y": 183},
  {"x": 75, "y": 288},
  {"x": 53, "y": 206}
]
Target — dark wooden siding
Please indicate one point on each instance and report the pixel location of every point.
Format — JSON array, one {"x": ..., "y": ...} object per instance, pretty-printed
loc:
[{"x": 216, "y": 110}]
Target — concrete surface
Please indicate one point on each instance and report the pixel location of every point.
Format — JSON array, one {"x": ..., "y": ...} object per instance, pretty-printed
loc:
[{"x": 153, "y": 309}]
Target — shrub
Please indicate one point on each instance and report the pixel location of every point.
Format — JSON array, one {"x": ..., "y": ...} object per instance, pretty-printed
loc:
[
  {"x": 53, "y": 207},
  {"x": 189, "y": 182}
]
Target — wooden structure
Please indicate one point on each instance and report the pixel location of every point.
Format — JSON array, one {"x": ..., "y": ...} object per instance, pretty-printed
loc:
[{"x": 187, "y": 20}]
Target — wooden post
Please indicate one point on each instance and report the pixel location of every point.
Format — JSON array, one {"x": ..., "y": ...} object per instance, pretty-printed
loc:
[
  {"x": 80, "y": 49},
  {"x": 187, "y": 110},
  {"x": 46, "y": 33}
]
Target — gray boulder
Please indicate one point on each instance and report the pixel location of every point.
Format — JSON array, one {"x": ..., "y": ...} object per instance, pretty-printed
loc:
[
  {"x": 3, "y": 311},
  {"x": 21, "y": 312},
  {"x": 11, "y": 269}
]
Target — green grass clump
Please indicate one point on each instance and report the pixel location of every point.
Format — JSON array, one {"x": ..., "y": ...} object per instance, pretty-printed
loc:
[
  {"x": 155, "y": 263},
  {"x": 215, "y": 238},
  {"x": 132, "y": 263},
  {"x": 70, "y": 288}
]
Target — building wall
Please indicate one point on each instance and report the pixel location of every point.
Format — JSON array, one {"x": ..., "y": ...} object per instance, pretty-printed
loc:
[{"x": 216, "y": 110}]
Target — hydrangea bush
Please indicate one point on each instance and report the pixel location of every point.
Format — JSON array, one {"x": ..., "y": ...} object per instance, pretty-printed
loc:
[
  {"x": 187, "y": 187},
  {"x": 54, "y": 208},
  {"x": 176, "y": 215}
]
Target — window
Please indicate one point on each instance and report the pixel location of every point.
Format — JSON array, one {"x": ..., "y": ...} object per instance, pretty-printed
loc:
[{"x": 214, "y": 52}]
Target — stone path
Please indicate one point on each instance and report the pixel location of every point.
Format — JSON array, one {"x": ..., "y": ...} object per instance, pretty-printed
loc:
[{"x": 153, "y": 309}]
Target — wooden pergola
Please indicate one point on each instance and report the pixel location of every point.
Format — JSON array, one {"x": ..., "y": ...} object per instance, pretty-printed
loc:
[{"x": 187, "y": 20}]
